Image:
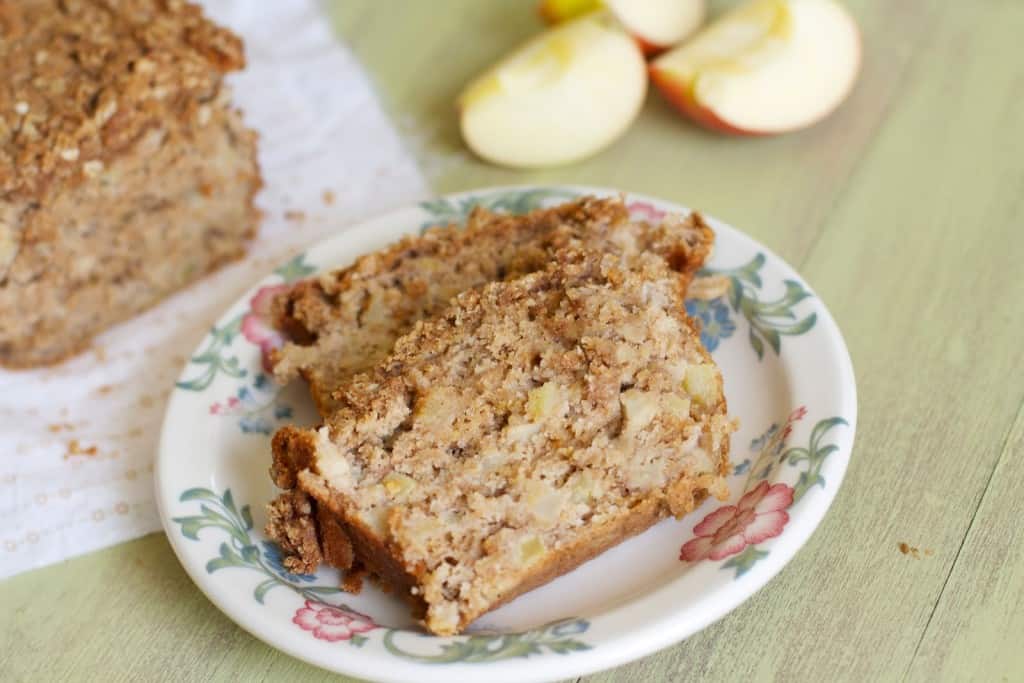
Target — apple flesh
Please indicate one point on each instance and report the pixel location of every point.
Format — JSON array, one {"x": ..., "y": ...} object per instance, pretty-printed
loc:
[
  {"x": 655, "y": 24},
  {"x": 559, "y": 98},
  {"x": 766, "y": 67},
  {"x": 659, "y": 24}
]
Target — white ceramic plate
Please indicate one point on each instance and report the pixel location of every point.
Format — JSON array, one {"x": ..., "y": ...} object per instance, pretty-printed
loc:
[{"x": 788, "y": 378}]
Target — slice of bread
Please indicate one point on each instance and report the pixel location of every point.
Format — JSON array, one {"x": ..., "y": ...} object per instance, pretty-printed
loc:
[
  {"x": 333, "y": 337},
  {"x": 346, "y": 321},
  {"x": 527, "y": 428}
]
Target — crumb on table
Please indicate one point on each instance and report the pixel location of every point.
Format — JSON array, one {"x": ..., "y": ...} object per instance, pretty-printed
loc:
[
  {"x": 913, "y": 551},
  {"x": 75, "y": 448}
]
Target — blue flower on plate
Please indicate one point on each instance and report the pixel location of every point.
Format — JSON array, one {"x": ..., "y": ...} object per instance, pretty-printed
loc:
[
  {"x": 273, "y": 556},
  {"x": 757, "y": 444},
  {"x": 255, "y": 425},
  {"x": 715, "y": 319}
]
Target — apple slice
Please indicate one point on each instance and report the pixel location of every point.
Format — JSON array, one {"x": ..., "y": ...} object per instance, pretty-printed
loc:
[
  {"x": 655, "y": 24},
  {"x": 659, "y": 24},
  {"x": 560, "y": 97},
  {"x": 555, "y": 11},
  {"x": 766, "y": 67}
]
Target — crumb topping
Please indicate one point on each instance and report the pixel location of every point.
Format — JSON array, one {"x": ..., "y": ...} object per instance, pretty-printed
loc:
[{"x": 84, "y": 79}]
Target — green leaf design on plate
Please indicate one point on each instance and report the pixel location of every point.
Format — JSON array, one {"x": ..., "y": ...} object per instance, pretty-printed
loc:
[
  {"x": 445, "y": 211},
  {"x": 240, "y": 550},
  {"x": 556, "y": 637},
  {"x": 215, "y": 358},
  {"x": 814, "y": 455},
  {"x": 745, "y": 560},
  {"x": 228, "y": 558},
  {"x": 262, "y": 589},
  {"x": 326, "y": 590},
  {"x": 246, "y": 517},
  {"x": 295, "y": 269},
  {"x": 250, "y": 553},
  {"x": 769, "y": 320},
  {"x": 198, "y": 494}
]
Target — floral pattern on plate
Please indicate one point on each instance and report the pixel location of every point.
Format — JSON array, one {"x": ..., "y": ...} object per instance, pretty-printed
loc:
[
  {"x": 716, "y": 324},
  {"x": 448, "y": 210},
  {"x": 255, "y": 406},
  {"x": 339, "y": 622},
  {"x": 332, "y": 624},
  {"x": 761, "y": 513},
  {"x": 226, "y": 406},
  {"x": 771, "y": 319},
  {"x": 217, "y": 356}
]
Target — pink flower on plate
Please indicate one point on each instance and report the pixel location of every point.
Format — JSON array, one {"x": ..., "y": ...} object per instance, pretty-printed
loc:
[
  {"x": 795, "y": 416},
  {"x": 759, "y": 515},
  {"x": 645, "y": 212},
  {"x": 224, "y": 408},
  {"x": 331, "y": 623},
  {"x": 258, "y": 326}
]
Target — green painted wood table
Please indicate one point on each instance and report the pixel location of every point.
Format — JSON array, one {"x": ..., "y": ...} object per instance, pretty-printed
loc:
[{"x": 905, "y": 211}]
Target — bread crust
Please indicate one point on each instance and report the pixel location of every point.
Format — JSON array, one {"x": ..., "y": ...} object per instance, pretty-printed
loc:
[
  {"x": 378, "y": 557},
  {"x": 123, "y": 68}
]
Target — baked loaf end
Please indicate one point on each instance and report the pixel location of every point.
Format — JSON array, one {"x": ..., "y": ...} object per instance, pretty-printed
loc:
[
  {"x": 529, "y": 427},
  {"x": 124, "y": 172}
]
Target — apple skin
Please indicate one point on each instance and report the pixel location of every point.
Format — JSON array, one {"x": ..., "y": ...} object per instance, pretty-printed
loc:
[
  {"x": 649, "y": 49},
  {"x": 555, "y": 11},
  {"x": 680, "y": 95},
  {"x": 683, "y": 18}
]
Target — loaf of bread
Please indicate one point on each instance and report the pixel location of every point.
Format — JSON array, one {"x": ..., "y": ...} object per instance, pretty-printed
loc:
[
  {"x": 346, "y": 321},
  {"x": 526, "y": 428},
  {"x": 125, "y": 173}
]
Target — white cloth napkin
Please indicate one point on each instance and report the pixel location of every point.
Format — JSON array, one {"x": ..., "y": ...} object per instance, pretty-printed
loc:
[{"x": 77, "y": 441}]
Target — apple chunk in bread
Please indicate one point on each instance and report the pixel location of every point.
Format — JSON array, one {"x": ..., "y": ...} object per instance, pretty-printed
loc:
[
  {"x": 766, "y": 67},
  {"x": 560, "y": 97}
]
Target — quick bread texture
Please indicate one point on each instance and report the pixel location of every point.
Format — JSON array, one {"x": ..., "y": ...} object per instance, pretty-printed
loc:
[
  {"x": 345, "y": 321},
  {"x": 125, "y": 173},
  {"x": 530, "y": 425}
]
